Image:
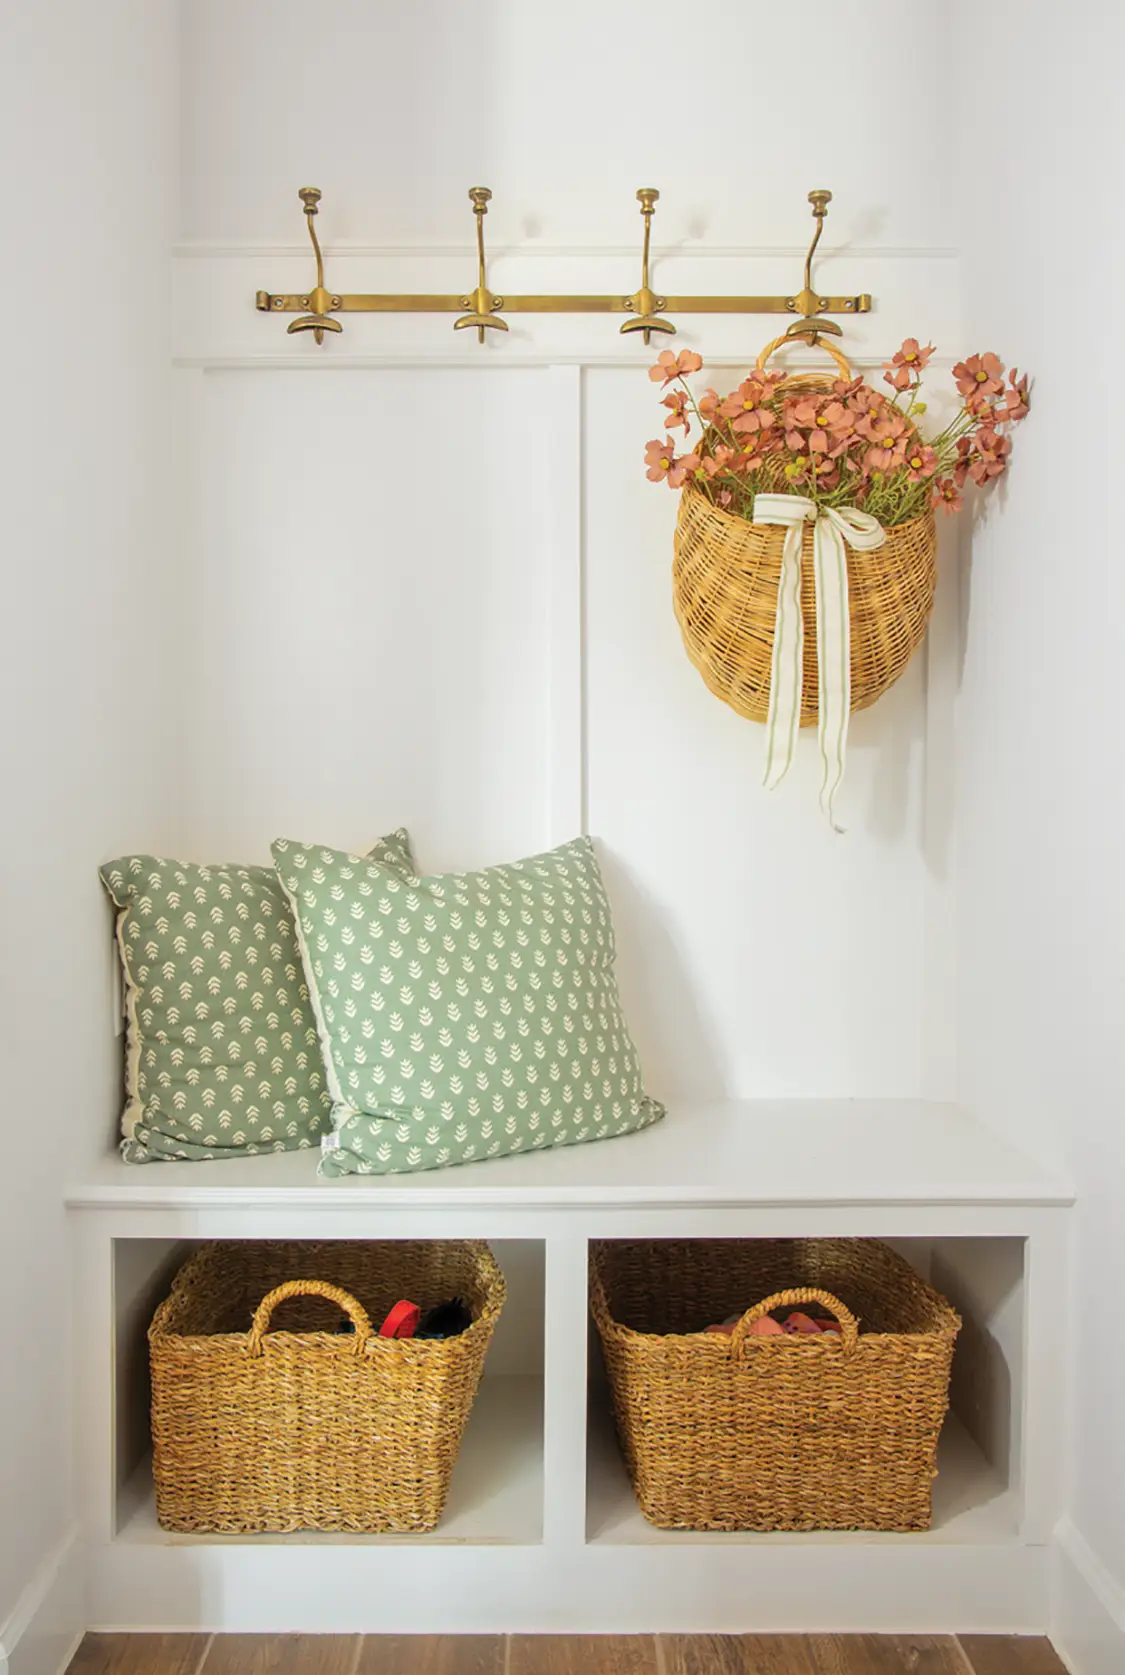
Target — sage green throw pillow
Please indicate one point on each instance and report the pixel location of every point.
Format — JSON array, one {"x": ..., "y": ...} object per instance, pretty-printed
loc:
[
  {"x": 465, "y": 1015},
  {"x": 221, "y": 1053}
]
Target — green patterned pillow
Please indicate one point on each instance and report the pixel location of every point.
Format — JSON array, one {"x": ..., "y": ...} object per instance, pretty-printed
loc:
[
  {"x": 221, "y": 1055},
  {"x": 466, "y": 1015}
]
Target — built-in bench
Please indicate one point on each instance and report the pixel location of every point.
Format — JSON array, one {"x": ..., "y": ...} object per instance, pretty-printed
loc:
[{"x": 542, "y": 1530}]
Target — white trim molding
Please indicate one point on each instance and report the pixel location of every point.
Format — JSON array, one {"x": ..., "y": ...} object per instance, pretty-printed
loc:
[
  {"x": 298, "y": 249},
  {"x": 43, "y": 1630},
  {"x": 1087, "y": 1607},
  {"x": 455, "y": 359}
]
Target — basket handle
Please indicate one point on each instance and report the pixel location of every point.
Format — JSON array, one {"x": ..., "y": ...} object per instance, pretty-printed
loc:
[
  {"x": 355, "y": 1312},
  {"x": 837, "y": 354},
  {"x": 849, "y": 1326}
]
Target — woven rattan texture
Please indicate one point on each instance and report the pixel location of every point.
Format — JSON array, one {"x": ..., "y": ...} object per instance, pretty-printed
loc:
[
  {"x": 725, "y": 577},
  {"x": 826, "y": 1432},
  {"x": 282, "y": 1422}
]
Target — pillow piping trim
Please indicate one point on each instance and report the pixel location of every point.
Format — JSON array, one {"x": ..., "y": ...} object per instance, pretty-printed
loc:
[{"x": 134, "y": 1111}]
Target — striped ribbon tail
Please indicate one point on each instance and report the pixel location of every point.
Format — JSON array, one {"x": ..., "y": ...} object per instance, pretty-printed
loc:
[
  {"x": 787, "y": 662},
  {"x": 833, "y": 527}
]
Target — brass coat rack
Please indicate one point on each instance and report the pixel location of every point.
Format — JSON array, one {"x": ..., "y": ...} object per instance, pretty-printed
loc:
[{"x": 483, "y": 309}]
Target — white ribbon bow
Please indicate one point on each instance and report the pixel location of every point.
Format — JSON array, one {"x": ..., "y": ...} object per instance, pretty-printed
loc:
[{"x": 832, "y": 526}]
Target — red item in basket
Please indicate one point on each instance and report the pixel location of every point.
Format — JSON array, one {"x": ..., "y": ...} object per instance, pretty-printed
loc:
[{"x": 402, "y": 1322}]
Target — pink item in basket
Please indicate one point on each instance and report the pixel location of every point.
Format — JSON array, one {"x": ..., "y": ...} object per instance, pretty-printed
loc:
[{"x": 794, "y": 1325}]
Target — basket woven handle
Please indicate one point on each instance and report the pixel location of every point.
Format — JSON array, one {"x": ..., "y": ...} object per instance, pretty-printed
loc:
[
  {"x": 355, "y": 1312},
  {"x": 849, "y": 1326},
  {"x": 837, "y": 354}
]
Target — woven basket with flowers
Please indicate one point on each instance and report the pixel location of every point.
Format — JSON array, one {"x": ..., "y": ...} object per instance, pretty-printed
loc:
[{"x": 805, "y": 546}]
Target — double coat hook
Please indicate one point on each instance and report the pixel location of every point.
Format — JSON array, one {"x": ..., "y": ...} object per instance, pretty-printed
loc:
[
  {"x": 483, "y": 310},
  {"x": 482, "y": 303},
  {"x": 318, "y": 300}
]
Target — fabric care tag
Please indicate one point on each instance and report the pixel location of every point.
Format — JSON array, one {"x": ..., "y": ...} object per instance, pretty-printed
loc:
[{"x": 330, "y": 1142}]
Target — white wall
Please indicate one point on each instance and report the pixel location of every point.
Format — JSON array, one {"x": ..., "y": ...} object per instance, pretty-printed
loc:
[
  {"x": 1039, "y": 723},
  {"x": 87, "y": 113},
  {"x": 429, "y": 545},
  {"x": 564, "y": 112}
]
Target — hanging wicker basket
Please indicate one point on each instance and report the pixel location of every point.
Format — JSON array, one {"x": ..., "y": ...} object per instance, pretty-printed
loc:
[{"x": 725, "y": 581}]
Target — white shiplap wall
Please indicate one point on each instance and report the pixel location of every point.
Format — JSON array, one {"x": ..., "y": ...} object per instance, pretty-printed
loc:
[{"x": 457, "y": 577}]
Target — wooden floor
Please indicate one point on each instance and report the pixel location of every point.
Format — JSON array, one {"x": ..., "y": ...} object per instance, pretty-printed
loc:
[{"x": 311, "y": 1654}]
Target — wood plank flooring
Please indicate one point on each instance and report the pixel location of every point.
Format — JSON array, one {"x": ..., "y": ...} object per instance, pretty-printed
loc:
[{"x": 532, "y": 1654}]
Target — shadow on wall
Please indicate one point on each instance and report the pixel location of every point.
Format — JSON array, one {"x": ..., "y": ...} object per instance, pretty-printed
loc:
[
  {"x": 893, "y": 730},
  {"x": 681, "y": 1052}
]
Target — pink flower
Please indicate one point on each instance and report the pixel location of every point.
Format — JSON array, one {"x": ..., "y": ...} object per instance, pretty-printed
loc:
[
  {"x": 866, "y": 400},
  {"x": 844, "y": 389},
  {"x": 1016, "y": 399},
  {"x": 825, "y": 472},
  {"x": 887, "y": 432},
  {"x": 882, "y": 426},
  {"x": 990, "y": 456},
  {"x": 921, "y": 462},
  {"x": 882, "y": 459},
  {"x": 837, "y": 423},
  {"x": 911, "y": 356},
  {"x": 721, "y": 460},
  {"x": 886, "y": 429},
  {"x": 669, "y": 366},
  {"x": 947, "y": 495},
  {"x": 964, "y": 453},
  {"x": 802, "y": 410},
  {"x": 676, "y": 402},
  {"x": 747, "y": 462},
  {"x": 800, "y": 417},
  {"x": 983, "y": 373},
  {"x": 665, "y": 369},
  {"x": 659, "y": 457},
  {"x": 980, "y": 404},
  {"x": 686, "y": 466},
  {"x": 708, "y": 405},
  {"x": 746, "y": 407}
]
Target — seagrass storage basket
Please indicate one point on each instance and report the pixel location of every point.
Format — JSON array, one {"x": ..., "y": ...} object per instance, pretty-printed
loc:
[
  {"x": 725, "y": 577},
  {"x": 266, "y": 1416},
  {"x": 774, "y": 1433}
]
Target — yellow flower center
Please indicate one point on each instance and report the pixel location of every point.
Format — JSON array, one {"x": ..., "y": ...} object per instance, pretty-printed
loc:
[
  {"x": 748, "y": 405},
  {"x": 915, "y": 462},
  {"x": 822, "y": 421},
  {"x": 665, "y": 465},
  {"x": 981, "y": 376},
  {"x": 910, "y": 357}
]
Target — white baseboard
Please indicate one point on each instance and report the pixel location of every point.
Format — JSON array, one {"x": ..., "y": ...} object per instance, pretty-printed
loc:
[
  {"x": 1087, "y": 1607},
  {"x": 41, "y": 1634}
]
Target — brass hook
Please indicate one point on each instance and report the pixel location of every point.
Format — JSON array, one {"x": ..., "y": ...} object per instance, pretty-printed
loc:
[
  {"x": 808, "y": 302},
  {"x": 482, "y": 304},
  {"x": 318, "y": 299},
  {"x": 645, "y": 303}
]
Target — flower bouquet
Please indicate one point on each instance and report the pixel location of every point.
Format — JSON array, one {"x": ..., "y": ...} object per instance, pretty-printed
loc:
[
  {"x": 846, "y": 445},
  {"x": 805, "y": 546}
]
